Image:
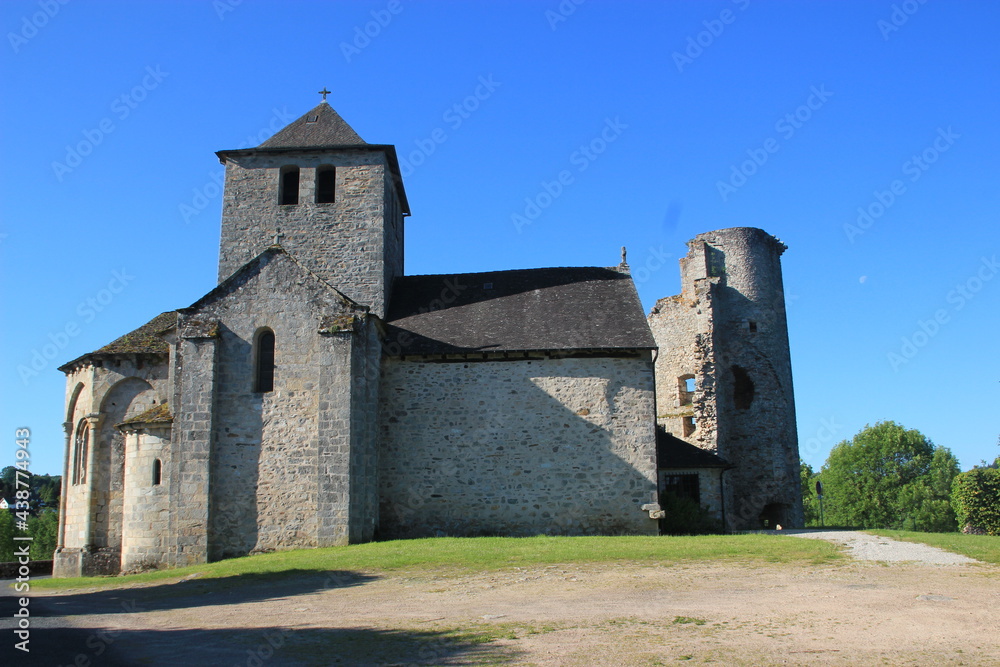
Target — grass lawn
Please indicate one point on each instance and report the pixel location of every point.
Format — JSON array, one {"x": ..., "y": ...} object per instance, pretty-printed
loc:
[
  {"x": 489, "y": 553},
  {"x": 985, "y": 548}
]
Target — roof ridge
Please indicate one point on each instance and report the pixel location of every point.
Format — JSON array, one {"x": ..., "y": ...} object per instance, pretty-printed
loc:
[{"x": 534, "y": 269}]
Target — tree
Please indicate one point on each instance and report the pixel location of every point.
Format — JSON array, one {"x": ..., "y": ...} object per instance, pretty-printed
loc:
[
  {"x": 926, "y": 503},
  {"x": 43, "y": 530},
  {"x": 810, "y": 502},
  {"x": 872, "y": 480},
  {"x": 6, "y": 536}
]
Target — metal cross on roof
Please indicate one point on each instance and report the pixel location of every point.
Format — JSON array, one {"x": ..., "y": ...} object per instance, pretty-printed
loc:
[{"x": 324, "y": 93}]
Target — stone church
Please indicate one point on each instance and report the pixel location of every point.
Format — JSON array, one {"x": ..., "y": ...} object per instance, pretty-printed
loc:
[{"x": 319, "y": 396}]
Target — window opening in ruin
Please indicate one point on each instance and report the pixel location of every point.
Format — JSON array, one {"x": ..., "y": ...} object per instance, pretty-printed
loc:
[
  {"x": 752, "y": 326},
  {"x": 157, "y": 472},
  {"x": 743, "y": 388},
  {"x": 689, "y": 426},
  {"x": 289, "y": 190},
  {"x": 683, "y": 486},
  {"x": 326, "y": 184},
  {"x": 685, "y": 389},
  {"x": 264, "y": 362},
  {"x": 80, "y": 453}
]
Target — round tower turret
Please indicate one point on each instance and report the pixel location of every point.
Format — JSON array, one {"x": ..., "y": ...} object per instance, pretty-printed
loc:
[{"x": 756, "y": 430}]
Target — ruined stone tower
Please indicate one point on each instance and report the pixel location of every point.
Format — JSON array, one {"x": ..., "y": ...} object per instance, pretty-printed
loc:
[
  {"x": 723, "y": 374},
  {"x": 333, "y": 201}
]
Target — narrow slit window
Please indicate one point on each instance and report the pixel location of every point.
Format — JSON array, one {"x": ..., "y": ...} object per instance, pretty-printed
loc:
[
  {"x": 157, "y": 472},
  {"x": 289, "y": 185},
  {"x": 80, "y": 453},
  {"x": 326, "y": 184},
  {"x": 264, "y": 362}
]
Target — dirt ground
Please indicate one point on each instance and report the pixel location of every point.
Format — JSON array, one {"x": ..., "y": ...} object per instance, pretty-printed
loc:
[{"x": 855, "y": 613}]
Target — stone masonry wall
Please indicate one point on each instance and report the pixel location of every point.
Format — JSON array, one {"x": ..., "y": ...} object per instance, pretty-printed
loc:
[
  {"x": 682, "y": 327},
  {"x": 193, "y": 361},
  {"x": 268, "y": 447},
  {"x": 354, "y": 243},
  {"x": 147, "y": 512},
  {"x": 556, "y": 446}
]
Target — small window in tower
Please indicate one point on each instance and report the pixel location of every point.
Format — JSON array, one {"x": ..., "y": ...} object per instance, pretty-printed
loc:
[
  {"x": 743, "y": 388},
  {"x": 689, "y": 426},
  {"x": 751, "y": 326},
  {"x": 326, "y": 184},
  {"x": 289, "y": 185},
  {"x": 157, "y": 472},
  {"x": 264, "y": 362}
]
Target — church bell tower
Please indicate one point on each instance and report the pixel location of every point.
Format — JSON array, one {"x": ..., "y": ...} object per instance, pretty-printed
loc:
[{"x": 334, "y": 202}]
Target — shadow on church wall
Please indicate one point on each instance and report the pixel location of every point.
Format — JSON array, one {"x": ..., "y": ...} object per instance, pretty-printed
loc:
[
  {"x": 236, "y": 451},
  {"x": 516, "y": 448}
]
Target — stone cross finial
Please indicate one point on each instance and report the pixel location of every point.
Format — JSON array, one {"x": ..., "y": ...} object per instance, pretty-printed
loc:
[
  {"x": 277, "y": 237},
  {"x": 324, "y": 93},
  {"x": 623, "y": 255}
]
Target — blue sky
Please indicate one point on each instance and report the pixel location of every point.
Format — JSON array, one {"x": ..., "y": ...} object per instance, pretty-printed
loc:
[{"x": 862, "y": 134}]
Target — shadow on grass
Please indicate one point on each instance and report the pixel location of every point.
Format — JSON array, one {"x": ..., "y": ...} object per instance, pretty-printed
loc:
[
  {"x": 193, "y": 593},
  {"x": 266, "y": 646}
]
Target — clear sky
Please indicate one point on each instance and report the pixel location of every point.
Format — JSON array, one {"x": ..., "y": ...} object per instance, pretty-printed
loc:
[{"x": 862, "y": 134}]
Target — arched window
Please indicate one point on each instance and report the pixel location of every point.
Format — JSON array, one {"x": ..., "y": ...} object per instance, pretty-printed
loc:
[
  {"x": 289, "y": 187},
  {"x": 326, "y": 184},
  {"x": 264, "y": 362},
  {"x": 80, "y": 452},
  {"x": 157, "y": 472}
]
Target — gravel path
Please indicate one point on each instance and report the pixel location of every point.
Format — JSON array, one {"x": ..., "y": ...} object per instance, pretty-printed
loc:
[{"x": 874, "y": 547}]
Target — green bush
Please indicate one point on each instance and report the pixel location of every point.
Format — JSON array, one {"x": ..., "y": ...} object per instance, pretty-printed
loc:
[
  {"x": 976, "y": 499},
  {"x": 684, "y": 516}
]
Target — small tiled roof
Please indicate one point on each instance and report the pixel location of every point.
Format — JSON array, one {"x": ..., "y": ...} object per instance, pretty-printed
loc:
[
  {"x": 320, "y": 127},
  {"x": 144, "y": 340},
  {"x": 158, "y": 414},
  {"x": 672, "y": 452},
  {"x": 587, "y": 308}
]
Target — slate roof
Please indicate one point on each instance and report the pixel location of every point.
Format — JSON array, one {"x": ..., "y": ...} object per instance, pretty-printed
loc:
[
  {"x": 672, "y": 452},
  {"x": 144, "y": 340},
  {"x": 520, "y": 310},
  {"x": 322, "y": 126},
  {"x": 158, "y": 414}
]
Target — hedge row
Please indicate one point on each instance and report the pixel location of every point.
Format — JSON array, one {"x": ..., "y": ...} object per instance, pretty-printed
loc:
[{"x": 976, "y": 498}]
